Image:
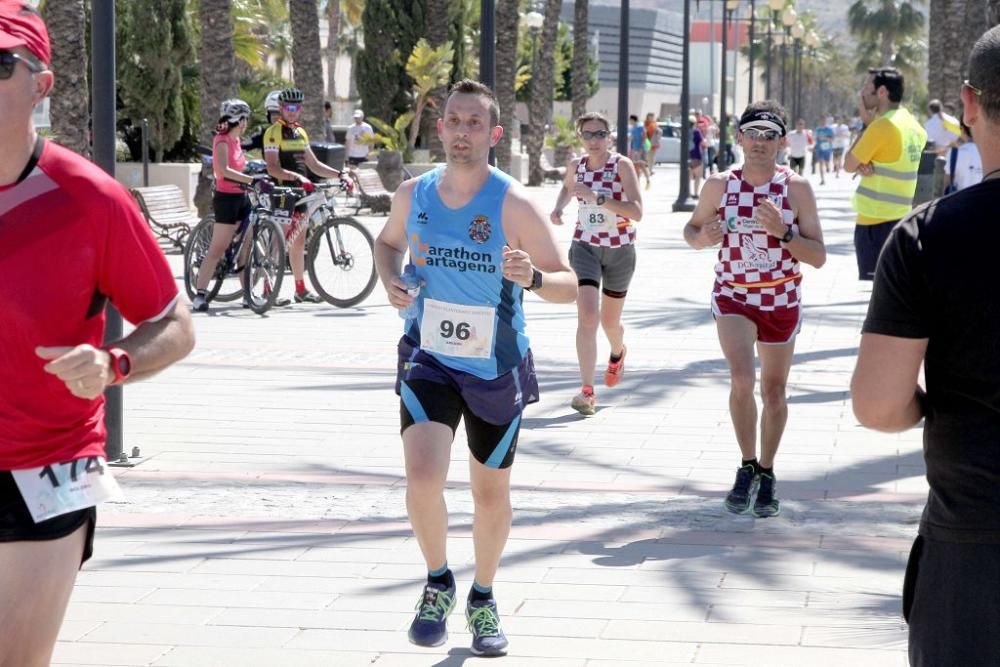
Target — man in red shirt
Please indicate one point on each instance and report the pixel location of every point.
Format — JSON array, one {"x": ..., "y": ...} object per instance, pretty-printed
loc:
[{"x": 72, "y": 240}]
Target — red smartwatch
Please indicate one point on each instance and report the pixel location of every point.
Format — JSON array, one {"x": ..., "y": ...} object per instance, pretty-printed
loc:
[{"x": 121, "y": 364}]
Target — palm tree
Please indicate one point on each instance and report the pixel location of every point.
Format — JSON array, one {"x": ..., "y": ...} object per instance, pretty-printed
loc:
[
  {"x": 306, "y": 59},
  {"x": 436, "y": 30},
  {"x": 507, "y": 20},
  {"x": 218, "y": 60},
  {"x": 70, "y": 102},
  {"x": 993, "y": 6},
  {"x": 542, "y": 90},
  {"x": 885, "y": 23},
  {"x": 342, "y": 15},
  {"x": 581, "y": 64},
  {"x": 957, "y": 25}
]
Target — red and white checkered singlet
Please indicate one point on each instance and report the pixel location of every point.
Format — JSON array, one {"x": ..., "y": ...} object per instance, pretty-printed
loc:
[
  {"x": 609, "y": 180},
  {"x": 753, "y": 267}
]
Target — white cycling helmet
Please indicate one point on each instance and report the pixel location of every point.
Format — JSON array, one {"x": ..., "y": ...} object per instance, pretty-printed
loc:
[
  {"x": 273, "y": 102},
  {"x": 234, "y": 110}
]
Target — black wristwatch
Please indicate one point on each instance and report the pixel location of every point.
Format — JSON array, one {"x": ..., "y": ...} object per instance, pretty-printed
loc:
[
  {"x": 601, "y": 199},
  {"x": 536, "y": 280},
  {"x": 788, "y": 236}
]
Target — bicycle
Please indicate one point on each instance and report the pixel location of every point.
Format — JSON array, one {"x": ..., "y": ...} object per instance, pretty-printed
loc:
[
  {"x": 340, "y": 251},
  {"x": 253, "y": 264}
]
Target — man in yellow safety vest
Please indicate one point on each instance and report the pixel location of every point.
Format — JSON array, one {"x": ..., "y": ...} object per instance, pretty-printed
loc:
[{"x": 886, "y": 155}]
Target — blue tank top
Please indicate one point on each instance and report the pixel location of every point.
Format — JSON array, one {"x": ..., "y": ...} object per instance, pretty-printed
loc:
[{"x": 459, "y": 253}]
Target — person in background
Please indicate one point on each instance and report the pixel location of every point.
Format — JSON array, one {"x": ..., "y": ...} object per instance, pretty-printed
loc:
[
  {"x": 942, "y": 128},
  {"x": 358, "y": 139},
  {"x": 328, "y": 136},
  {"x": 963, "y": 166}
]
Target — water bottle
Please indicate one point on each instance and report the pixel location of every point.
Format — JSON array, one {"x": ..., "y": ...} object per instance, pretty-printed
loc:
[{"x": 412, "y": 282}]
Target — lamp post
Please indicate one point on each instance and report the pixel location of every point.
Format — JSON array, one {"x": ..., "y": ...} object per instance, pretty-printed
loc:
[
  {"x": 684, "y": 201},
  {"x": 810, "y": 40},
  {"x": 727, "y": 12},
  {"x": 773, "y": 6},
  {"x": 533, "y": 22},
  {"x": 788, "y": 18},
  {"x": 753, "y": 21},
  {"x": 798, "y": 32}
]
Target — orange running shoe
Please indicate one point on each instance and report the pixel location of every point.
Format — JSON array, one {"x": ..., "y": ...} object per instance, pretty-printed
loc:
[
  {"x": 584, "y": 402},
  {"x": 616, "y": 369}
]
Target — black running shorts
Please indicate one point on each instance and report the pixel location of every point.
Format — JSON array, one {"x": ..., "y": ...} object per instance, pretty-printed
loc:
[
  {"x": 16, "y": 524},
  {"x": 230, "y": 208},
  {"x": 868, "y": 242}
]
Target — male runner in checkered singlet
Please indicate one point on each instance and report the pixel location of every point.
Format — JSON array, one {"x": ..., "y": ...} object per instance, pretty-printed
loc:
[{"x": 765, "y": 218}]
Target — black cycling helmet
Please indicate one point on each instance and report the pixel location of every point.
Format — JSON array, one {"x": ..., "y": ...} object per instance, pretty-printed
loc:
[{"x": 292, "y": 96}]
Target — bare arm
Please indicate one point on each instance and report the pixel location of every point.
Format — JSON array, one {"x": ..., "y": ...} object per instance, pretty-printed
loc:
[
  {"x": 276, "y": 171},
  {"x": 566, "y": 191},
  {"x": 631, "y": 209},
  {"x": 806, "y": 246},
  {"x": 152, "y": 346},
  {"x": 220, "y": 164},
  {"x": 318, "y": 167},
  {"x": 884, "y": 390},
  {"x": 533, "y": 246},
  {"x": 391, "y": 246},
  {"x": 704, "y": 229}
]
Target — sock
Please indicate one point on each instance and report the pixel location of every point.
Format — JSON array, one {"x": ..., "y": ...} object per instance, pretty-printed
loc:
[
  {"x": 615, "y": 358},
  {"x": 478, "y": 592},
  {"x": 441, "y": 576},
  {"x": 768, "y": 471},
  {"x": 203, "y": 292},
  {"x": 751, "y": 462},
  {"x": 300, "y": 286}
]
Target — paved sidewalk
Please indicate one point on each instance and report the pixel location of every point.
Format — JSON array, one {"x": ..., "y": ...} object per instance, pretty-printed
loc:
[{"x": 266, "y": 524}]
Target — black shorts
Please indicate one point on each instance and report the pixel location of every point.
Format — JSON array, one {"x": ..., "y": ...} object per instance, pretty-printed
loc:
[
  {"x": 230, "y": 208},
  {"x": 797, "y": 163},
  {"x": 356, "y": 160},
  {"x": 429, "y": 391},
  {"x": 16, "y": 524},
  {"x": 868, "y": 242},
  {"x": 950, "y": 601}
]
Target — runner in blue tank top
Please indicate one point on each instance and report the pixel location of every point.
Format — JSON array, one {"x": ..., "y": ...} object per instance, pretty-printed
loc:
[{"x": 477, "y": 244}]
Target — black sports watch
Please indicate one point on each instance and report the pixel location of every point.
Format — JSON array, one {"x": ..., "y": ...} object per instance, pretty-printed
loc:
[
  {"x": 536, "y": 280},
  {"x": 601, "y": 199},
  {"x": 788, "y": 236}
]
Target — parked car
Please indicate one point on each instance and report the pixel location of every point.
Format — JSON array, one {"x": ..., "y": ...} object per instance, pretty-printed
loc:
[{"x": 670, "y": 144}]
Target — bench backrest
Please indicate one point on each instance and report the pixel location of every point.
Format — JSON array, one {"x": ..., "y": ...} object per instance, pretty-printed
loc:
[
  {"x": 163, "y": 203},
  {"x": 370, "y": 183}
]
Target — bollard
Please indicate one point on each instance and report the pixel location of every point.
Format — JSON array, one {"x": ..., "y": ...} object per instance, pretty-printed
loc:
[{"x": 925, "y": 178}]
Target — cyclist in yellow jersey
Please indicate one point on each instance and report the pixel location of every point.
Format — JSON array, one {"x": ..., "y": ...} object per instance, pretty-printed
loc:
[
  {"x": 288, "y": 157},
  {"x": 886, "y": 155}
]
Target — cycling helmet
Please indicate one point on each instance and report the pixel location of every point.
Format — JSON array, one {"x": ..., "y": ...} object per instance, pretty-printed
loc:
[
  {"x": 271, "y": 102},
  {"x": 234, "y": 110},
  {"x": 292, "y": 96}
]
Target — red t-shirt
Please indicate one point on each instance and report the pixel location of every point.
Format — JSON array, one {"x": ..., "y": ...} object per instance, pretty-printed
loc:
[
  {"x": 71, "y": 237},
  {"x": 237, "y": 162}
]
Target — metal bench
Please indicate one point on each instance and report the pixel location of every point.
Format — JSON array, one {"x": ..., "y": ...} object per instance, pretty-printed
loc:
[
  {"x": 371, "y": 193},
  {"x": 166, "y": 211}
]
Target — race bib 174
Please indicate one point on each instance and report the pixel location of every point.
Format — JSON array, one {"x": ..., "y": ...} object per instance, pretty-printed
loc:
[{"x": 61, "y": 488}]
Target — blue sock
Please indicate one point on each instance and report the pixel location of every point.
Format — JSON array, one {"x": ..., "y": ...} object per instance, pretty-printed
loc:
[
  {"x": 478, "y": 592},
  {"x": 442, "y": 576}
]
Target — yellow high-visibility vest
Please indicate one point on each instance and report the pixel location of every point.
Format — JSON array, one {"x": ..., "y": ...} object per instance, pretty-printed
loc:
[{"x": 888, "y": 193}]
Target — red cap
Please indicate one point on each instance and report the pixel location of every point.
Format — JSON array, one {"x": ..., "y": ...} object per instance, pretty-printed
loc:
[{"x": 21, "y": 25}]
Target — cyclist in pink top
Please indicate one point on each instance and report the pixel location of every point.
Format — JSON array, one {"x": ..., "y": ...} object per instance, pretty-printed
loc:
[{"x": 230, "y": 202}]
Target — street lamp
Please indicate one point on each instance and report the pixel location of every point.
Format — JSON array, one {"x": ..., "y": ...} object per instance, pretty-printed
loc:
[
  {"x": 773, "y": 6},
  {"x": 788, "y": 18},
  {"x": 684, "y": 201},
  {"x": 798, "y": 31},
  {"x": 533, "y": 21},
  {"x": 727, "y": 15}
]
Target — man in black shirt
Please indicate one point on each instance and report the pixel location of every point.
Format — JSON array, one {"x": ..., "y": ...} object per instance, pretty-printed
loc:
[{"x": 933, "y": 303}]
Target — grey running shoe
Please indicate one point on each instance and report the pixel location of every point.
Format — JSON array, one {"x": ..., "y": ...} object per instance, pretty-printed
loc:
[
  {"x": 483, "y": 620},
  {"x": 766, "y": 504},
  {"x": 738, "y": 500}
]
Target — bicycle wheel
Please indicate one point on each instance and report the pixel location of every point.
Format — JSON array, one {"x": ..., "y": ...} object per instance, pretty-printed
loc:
[
  {"x": 341, "y": 262},
  {"x": 265, "y": 264},
  {"x": 195, "y": 250},
  {"x": 229, "y": 279}
]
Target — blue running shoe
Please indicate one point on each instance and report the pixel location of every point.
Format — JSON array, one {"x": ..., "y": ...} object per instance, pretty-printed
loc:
[
  {"x": 766, "y": 504},
  {"x": 430, "y": 626},
  {"x": 738, "y": 500},
  {"x": 483, "y": 620}
]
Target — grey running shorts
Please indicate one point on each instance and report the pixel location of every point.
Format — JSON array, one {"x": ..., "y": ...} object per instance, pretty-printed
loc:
[{"x": 595, "y": 265}]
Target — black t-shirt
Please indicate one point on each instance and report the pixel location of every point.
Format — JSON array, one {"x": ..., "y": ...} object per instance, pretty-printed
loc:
[{"x": 937, "y": 279}]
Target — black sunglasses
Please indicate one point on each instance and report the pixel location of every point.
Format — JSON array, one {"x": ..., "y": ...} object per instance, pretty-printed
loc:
[
  {"x": 596, "y": 134},
  {"x": 9, "y": 60}
]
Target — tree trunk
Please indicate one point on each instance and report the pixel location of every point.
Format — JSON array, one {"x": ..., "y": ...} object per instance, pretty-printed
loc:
[
  {"x": 581, "y": 62},
  {"x": 69, "y": 107},
  {"x": 887, "y": 48},
  {"x": 540, "y": 107},
  {"x": 993, "y": 8},
  {"x": 958, "y": 24},
  {"x": 306, "y": 55},
  {"x": 332, "y": 47},
  {"x": 437, "y": 34},
  {"x": 218, "y": 81},
  {"x": 506, "y": 58}
]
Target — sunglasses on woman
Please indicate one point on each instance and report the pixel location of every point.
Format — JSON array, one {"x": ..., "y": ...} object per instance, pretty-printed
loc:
[
  {"x": 761, "y": 135},
  {"x": 596, "y": 134},
  {"x": 9, "y": 60}
]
